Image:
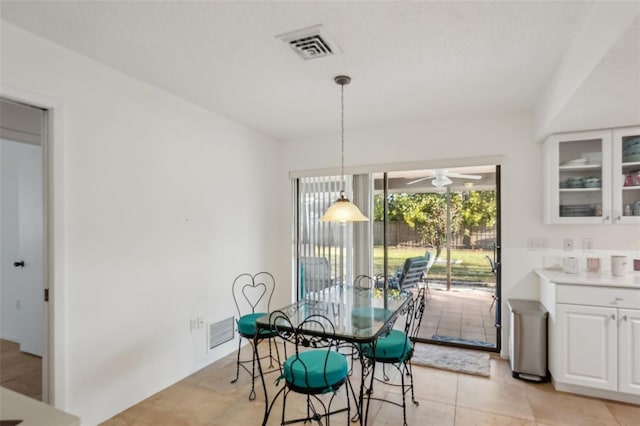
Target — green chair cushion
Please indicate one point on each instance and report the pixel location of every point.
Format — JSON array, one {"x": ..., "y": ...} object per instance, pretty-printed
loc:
[
  {"x": 395, "y": 346},
  {"x": 247, "y": 324},
  {"x": 307, "y": 370}
]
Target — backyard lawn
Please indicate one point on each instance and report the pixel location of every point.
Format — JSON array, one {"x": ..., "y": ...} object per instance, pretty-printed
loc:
[{"x": 468, "y": 266}]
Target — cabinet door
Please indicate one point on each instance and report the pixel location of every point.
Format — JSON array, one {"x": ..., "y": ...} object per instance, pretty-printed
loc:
[
  {"x": 626, "y": 175},
  {"x": 578, "y": 178},
  {"x": 629, "y": 350},
  {"x": 587, "y": 337}
]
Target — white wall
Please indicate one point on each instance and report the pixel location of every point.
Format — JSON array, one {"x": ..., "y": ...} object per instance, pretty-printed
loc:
[
  {"x": 509, "y": 136},
  {"x": 164, "y": 204}
]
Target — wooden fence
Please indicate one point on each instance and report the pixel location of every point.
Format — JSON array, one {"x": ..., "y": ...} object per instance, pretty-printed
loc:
[{"x": 401, "y": 234}]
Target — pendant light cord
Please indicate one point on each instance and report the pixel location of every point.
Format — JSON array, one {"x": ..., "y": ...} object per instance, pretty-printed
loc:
[{"x": 342, "y": 135}]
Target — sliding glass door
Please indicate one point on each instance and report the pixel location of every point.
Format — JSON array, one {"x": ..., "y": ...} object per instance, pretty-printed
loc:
[{"x": 449, "y": 216}]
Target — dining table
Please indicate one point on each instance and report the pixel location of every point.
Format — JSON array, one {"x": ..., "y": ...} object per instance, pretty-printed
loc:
[{"x": 359, "y": 314}]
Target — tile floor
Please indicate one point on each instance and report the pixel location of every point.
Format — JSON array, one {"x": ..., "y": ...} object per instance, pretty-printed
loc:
[
  {"x": 461, "y": 312},
  {"x": 446, "y": 398}
]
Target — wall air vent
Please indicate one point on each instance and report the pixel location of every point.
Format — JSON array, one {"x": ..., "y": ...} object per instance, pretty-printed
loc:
[
  {"x": 310, "y": 43},
  {"x": 221, "y": 332}
]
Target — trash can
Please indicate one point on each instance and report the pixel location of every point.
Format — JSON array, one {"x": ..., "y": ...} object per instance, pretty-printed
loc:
[{"x": 528, "y": 340}]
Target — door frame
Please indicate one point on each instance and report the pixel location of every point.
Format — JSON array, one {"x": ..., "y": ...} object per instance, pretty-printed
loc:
[{"x": 54, "y": 369}]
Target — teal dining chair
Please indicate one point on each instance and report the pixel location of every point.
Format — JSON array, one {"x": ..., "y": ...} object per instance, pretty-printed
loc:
[
  {"x": 315, "y": 368},
  {"x": 396, "y": 349},
  {"x": 252, "y": 296}
]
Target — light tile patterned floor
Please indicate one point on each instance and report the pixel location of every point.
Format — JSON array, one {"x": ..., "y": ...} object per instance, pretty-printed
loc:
[
  {"x": 446, "y": 399},
  {"x": 462, "y": 312}
]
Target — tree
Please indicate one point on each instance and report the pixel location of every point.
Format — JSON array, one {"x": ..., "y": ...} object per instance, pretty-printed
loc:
[
  {"x": 428, "y": 214},
  {"x": 478, "y": 209},
  {"x": 394, "y": 205}
]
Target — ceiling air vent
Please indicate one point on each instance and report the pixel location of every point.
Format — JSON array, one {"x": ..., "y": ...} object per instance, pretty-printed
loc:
[{"x": 310, "y": 43}]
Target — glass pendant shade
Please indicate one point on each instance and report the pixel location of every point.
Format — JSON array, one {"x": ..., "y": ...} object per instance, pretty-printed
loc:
[{"x": 343, "y": 211}]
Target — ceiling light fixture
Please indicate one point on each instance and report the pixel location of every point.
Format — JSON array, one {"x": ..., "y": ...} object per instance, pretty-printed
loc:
[
  {"x": 343, "y": 210},
  {"x": 441, "y": 180}
]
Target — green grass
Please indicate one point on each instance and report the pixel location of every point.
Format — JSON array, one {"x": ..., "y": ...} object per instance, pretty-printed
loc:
[{"x": 473, "y": 268}]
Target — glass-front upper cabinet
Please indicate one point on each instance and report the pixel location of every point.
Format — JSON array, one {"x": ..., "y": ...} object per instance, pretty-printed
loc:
[
  {"x": 593, "y": 177},
  {"x": 626, "y": 175},
  {"x": 578, "y": 177}
]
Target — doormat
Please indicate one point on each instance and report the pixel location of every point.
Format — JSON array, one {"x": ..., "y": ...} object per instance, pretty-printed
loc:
[
  {"x": 463, "y": 341},
  {"x": 452, "y": 359}
]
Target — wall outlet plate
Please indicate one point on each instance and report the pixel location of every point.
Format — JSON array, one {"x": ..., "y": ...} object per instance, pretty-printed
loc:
[{"x": 568, "y": 244}]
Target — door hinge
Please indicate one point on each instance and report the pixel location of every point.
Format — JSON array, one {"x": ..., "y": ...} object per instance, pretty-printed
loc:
[{"x": 46, "y": 294}]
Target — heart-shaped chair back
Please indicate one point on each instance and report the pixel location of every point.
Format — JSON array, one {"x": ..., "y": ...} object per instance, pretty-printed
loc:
[{"x": 253, "y": 293}]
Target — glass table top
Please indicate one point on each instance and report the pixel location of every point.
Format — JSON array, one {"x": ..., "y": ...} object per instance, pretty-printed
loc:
[{"x": 358, "y": 314}]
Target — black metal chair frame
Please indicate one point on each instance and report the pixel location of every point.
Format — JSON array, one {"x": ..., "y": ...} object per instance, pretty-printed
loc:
[
  {"x": 414, "y": 312},
  {"x": 244, "y": 286},
  {"x": 315, "y": 332}
]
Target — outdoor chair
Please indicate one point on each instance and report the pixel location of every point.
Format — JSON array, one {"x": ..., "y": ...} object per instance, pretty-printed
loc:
[
  {"x": 430, "y": 259},
  {"x": 315, "y": 369},
  {"x": 252, "y": 296},
  {"x": 411, "y": 274},
  {"x": 315, "y": 274},
  {"x": 396, "y": 349}
]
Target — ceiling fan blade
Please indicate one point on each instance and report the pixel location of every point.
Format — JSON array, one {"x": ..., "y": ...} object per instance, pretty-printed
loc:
[
  {"x": 458, "y": 175},
  {"x": 420, "y": 180}
]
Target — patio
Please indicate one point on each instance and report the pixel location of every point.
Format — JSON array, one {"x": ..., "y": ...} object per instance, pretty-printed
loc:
[{"x": 464, "y": 312}]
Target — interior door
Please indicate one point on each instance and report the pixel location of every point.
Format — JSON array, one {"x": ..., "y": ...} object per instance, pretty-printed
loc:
[{"x": 22, "y": 226}]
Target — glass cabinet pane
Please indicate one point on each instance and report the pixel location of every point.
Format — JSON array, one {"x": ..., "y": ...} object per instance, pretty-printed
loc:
[
  {"x": 580, "y": 178},
  {"x": 630, "y": 175}
]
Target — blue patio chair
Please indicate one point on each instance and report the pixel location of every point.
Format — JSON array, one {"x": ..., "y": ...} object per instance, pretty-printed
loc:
[{"x": 411, "y": 274}]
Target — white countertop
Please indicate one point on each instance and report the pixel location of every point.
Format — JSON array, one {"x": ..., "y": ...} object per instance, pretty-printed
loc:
[
  {"x": 603, "y": 279},
  {"x": 32, "y": 412}
]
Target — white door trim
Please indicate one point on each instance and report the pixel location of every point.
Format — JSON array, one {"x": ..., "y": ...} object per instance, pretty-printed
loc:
[{"x": 54, "y": 368}]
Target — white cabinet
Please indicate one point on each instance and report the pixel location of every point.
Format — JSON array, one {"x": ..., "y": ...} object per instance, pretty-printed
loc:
[
  {"x": 626, "y": 175},
  {"x": 629, "y": 351},
  {"x": 584, "y": 181},
  {"x": 597, "y": 338},
  {"x": 589, "y": 339}
]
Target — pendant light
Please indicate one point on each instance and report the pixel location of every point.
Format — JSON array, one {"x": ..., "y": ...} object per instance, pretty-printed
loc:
[{"x": 343, "y": 210}]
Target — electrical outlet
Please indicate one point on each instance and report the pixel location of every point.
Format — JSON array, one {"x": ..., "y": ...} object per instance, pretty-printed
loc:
[
  {"x": 568, "y": 244},
  {"x": 537, "y": 243},
  {"x": 587, "y": 244},
  {"x": 200, "y": 323}
]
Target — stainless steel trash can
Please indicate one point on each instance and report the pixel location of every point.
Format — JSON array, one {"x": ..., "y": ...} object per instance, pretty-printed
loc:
[{"x": 528, "y": 340}]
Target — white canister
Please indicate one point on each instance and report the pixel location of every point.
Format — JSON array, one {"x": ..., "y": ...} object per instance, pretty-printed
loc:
[
  {"x": 618, "y": 266},
  {"x": 570, "y": 265}
]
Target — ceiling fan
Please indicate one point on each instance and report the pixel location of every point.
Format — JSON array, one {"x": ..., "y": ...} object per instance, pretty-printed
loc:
[{"x": 441, "y": 177}]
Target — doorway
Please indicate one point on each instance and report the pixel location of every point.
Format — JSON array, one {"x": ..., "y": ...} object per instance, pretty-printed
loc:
[
  {"x": 22, "y": 253},
  {"x": 451, "y": 217}
]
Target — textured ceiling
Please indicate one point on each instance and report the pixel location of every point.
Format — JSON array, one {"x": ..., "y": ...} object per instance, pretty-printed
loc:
[{"x": 410, "y": 61}]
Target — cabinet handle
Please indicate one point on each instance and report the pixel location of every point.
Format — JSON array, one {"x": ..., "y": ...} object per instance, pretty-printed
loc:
[
  {"x": 613, "y": 317},
  {"x": 624, "y": 318}
]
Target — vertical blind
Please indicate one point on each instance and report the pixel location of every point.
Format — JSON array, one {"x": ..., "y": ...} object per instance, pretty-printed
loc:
[{"x": 322, "y": 247}]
